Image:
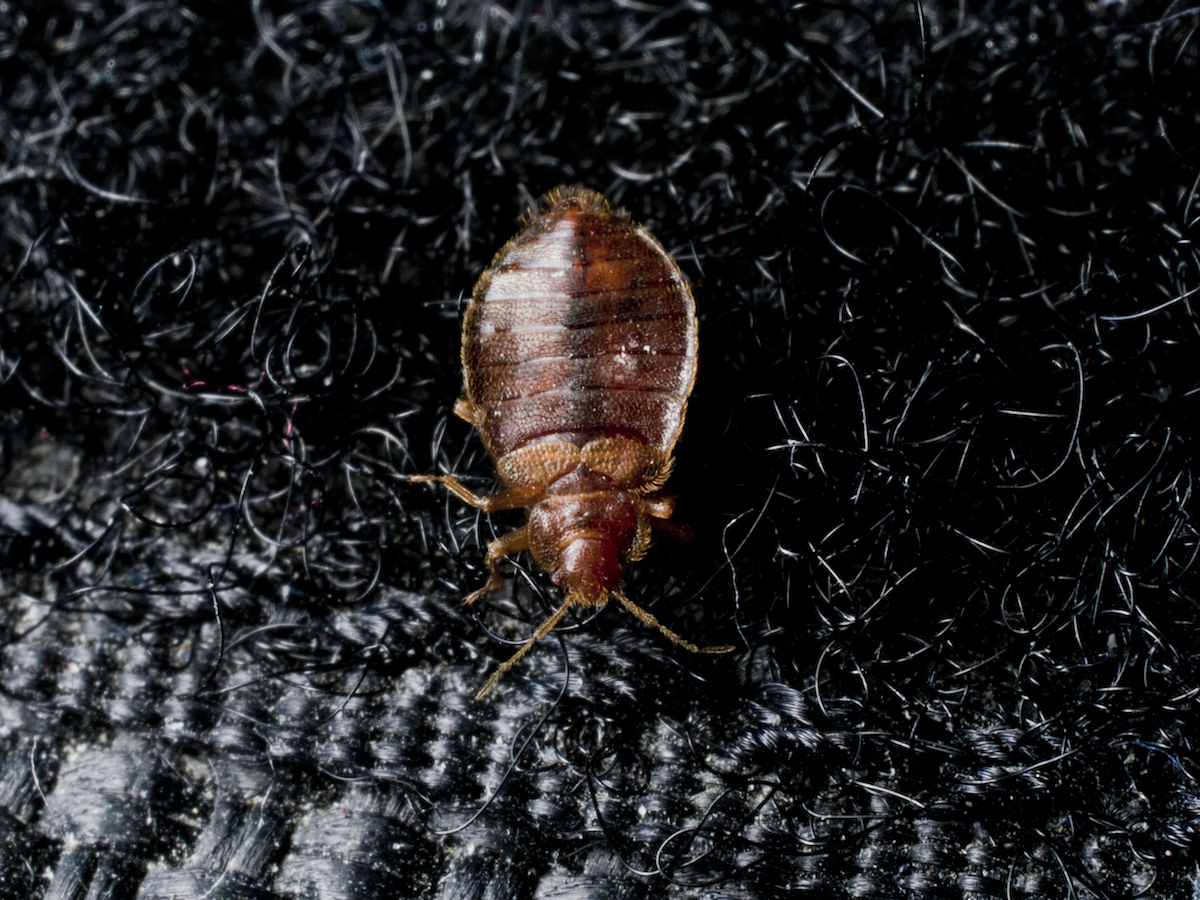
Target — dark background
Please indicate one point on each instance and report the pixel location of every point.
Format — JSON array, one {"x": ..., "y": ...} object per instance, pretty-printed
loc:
[{"x": 940, "y": 459}]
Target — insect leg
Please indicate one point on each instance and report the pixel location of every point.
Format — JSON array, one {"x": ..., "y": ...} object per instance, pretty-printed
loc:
[
  {"x": 509, "y": 498},
  {"x": 674, "y": 530},
  {"x": 513, "y": 542},
  {"x": 659, "y": 509},
  {"x": 659, "y": 506},
  {"x": 542, "y": 630},
  {"x": 465, "y": 410},
  {"x": 648, "y": 618}
]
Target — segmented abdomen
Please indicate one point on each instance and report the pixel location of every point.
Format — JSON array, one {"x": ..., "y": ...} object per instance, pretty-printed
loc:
[{"x": 583, "y": 327}]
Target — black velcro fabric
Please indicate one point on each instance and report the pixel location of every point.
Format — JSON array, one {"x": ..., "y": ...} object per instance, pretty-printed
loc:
[{"x": 940, "y": 461}]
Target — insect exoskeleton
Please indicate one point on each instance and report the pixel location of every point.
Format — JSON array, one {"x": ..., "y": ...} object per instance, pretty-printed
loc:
[{"x": 579, "y": 354}]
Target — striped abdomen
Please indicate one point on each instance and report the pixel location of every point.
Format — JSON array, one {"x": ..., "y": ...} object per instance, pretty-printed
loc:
[{"x": 583, "y": 328}]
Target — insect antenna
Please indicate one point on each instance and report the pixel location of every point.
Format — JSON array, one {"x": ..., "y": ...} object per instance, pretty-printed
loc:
[
  {"x": 542, "y": 630},
  {"x": 648, "y": 618}
]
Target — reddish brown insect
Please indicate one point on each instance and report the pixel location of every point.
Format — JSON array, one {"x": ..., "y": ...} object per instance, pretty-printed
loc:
[{"x": 579, "y": 353}]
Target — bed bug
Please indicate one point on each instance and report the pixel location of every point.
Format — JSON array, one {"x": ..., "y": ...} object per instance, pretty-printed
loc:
[{"x": 578, "y": 356}]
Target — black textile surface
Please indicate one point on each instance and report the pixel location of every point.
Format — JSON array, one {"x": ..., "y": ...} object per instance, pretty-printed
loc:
[{"x": 940, "y": 459}]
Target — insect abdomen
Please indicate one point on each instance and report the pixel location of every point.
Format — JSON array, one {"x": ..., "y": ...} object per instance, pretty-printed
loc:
[{"x": 582, "y": 328}]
